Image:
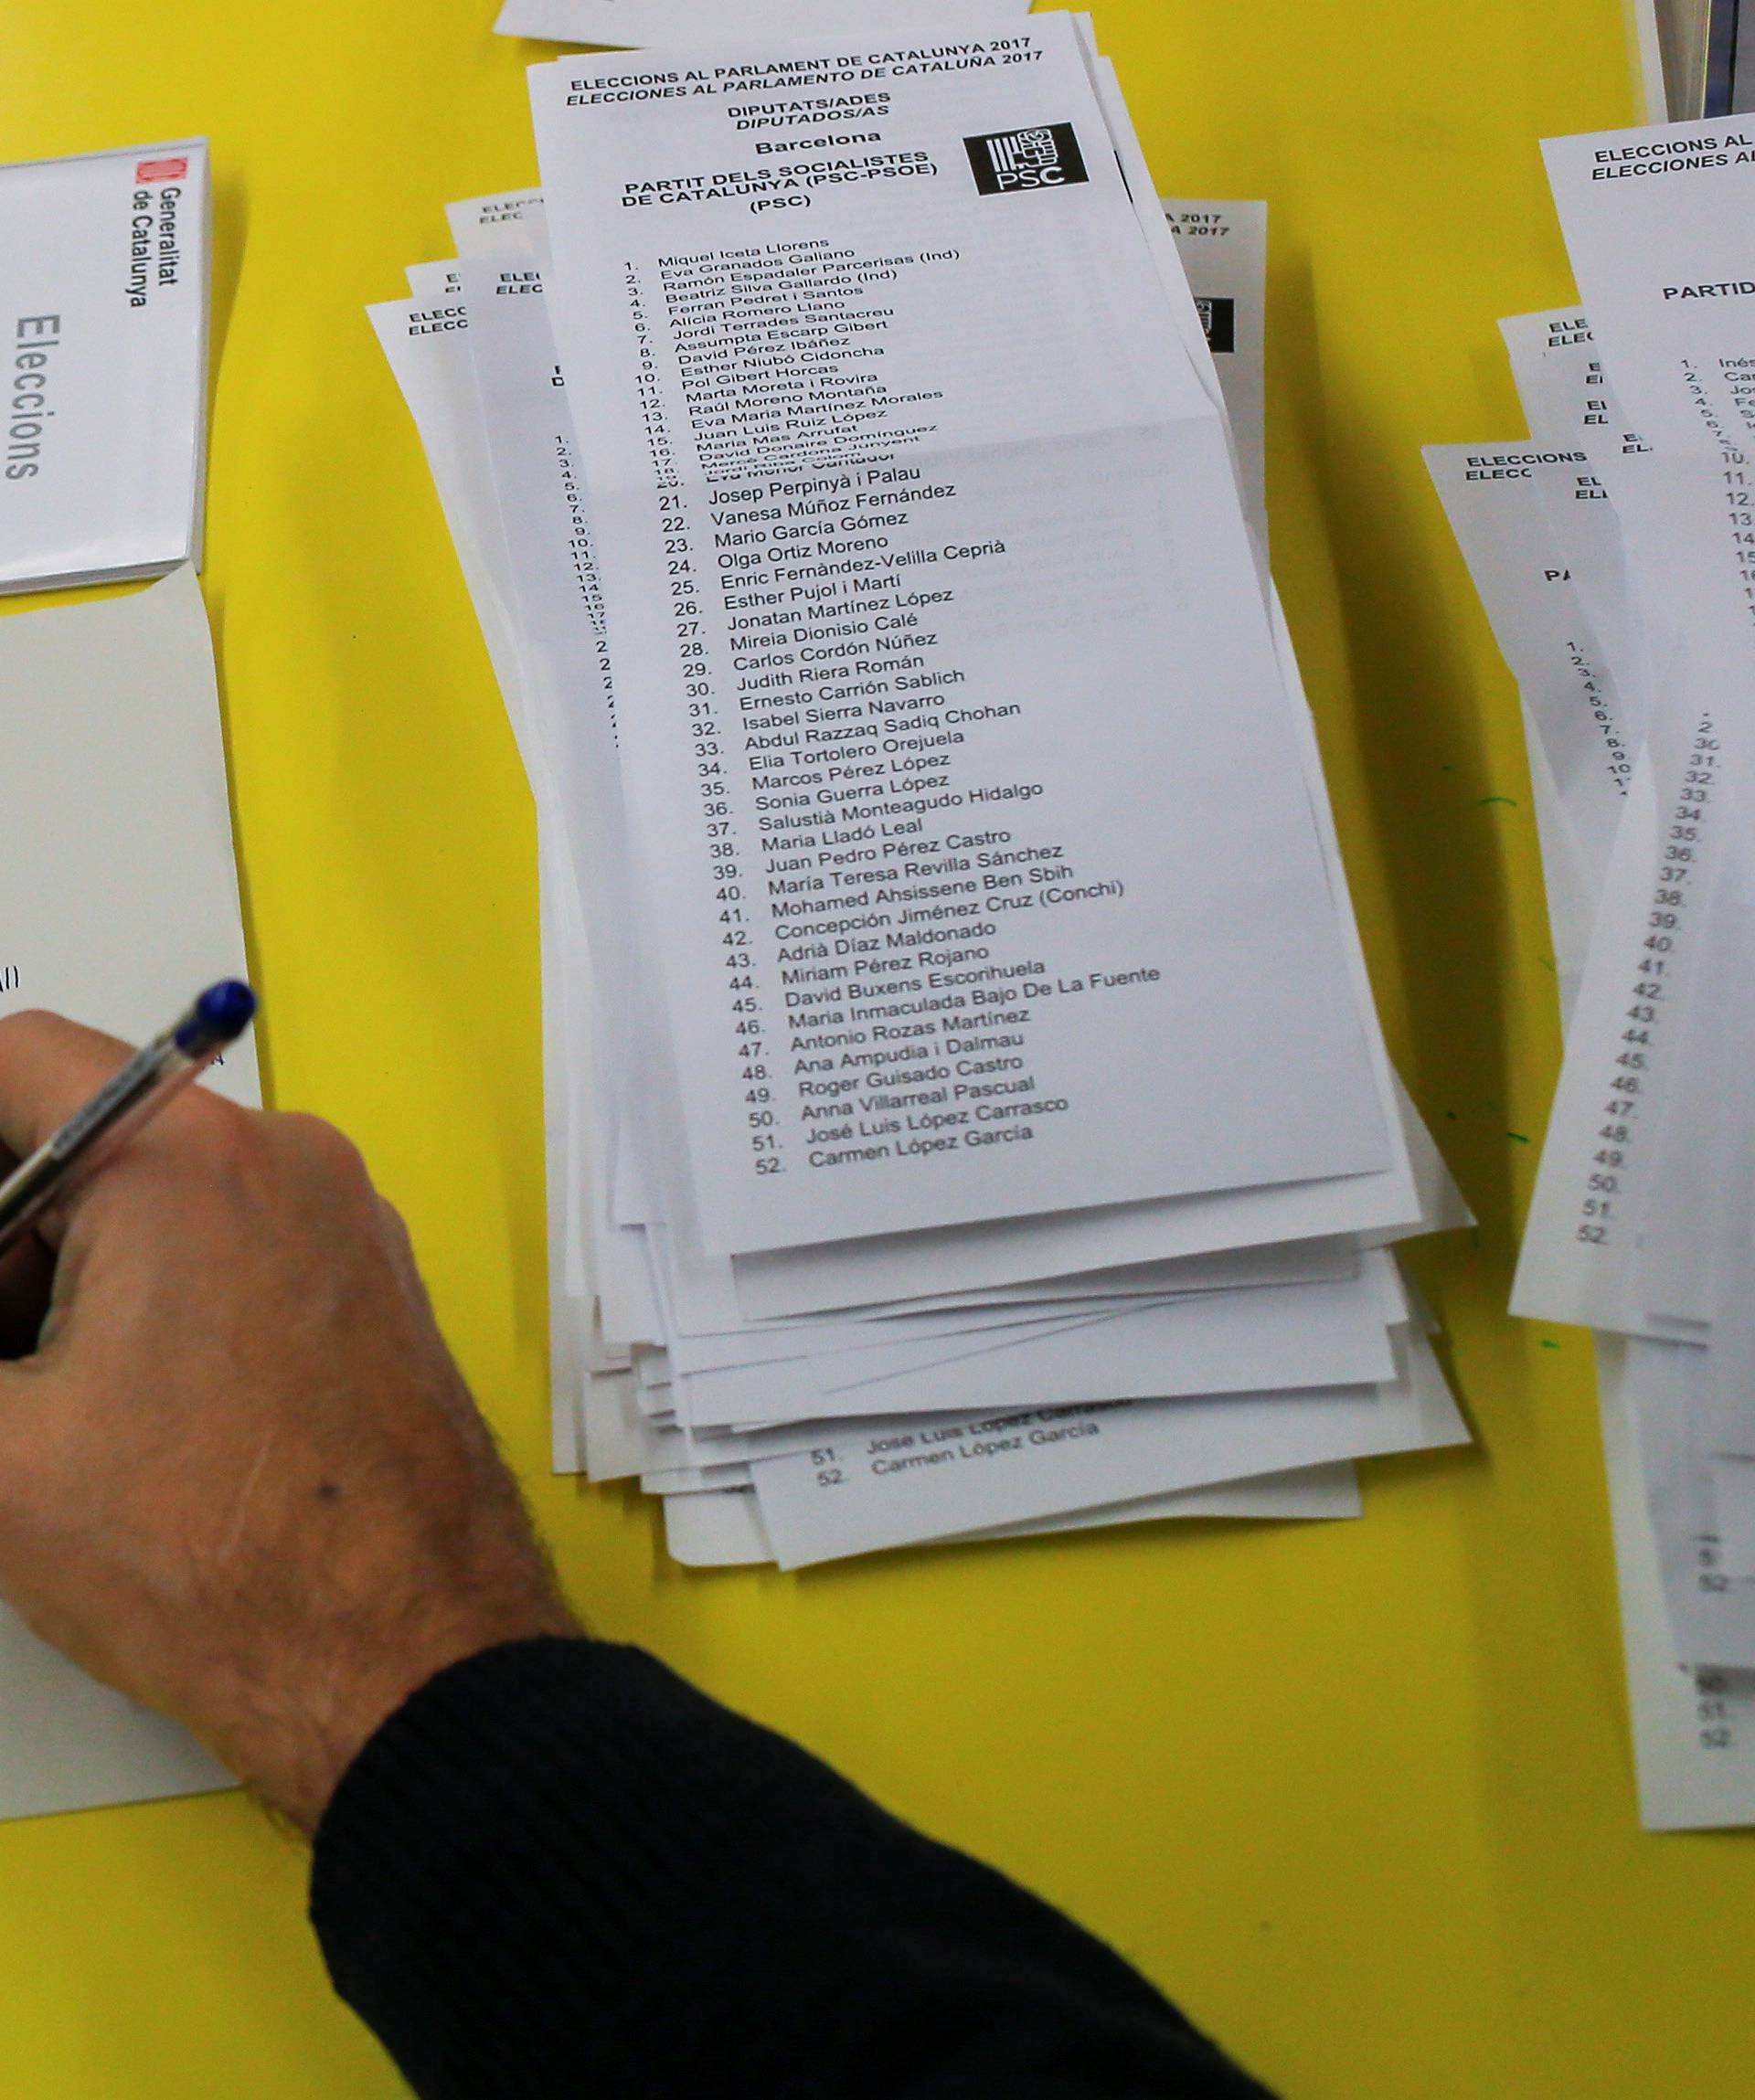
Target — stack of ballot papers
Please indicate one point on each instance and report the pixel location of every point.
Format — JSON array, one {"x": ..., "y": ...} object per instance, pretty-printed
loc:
[
  {"x": 967, "y": 1111},
  {"x": 103, "y": 359},
  {"x": 1615, "y": 554},
  {"x": 121, "y": 914}
]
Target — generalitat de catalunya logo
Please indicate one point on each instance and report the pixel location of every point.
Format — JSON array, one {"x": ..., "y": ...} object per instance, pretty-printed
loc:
[
  {"x": 161, "y": 171},
  {"x": 1046, "y": 156}
]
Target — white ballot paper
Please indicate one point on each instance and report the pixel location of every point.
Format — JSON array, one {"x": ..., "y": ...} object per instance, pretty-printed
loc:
[
  {"x": 103, "y": 358},
  {"x": 1650, "y": 218},
  {"x": 916, "y": 668},
  {"x": 1694, "y": 1725},
  {"x": 1224, "y": 248},
  {"x": 909, "y": 1484},
  {"x": 1571, "y": 406},
  {"x": 723, "y": 1527},
  {"x": 1656, "y": 254},
  {"x": 922, "y": 552},
  {"x": 110, "y": 734},
  {"x": 1497, "y": 500},
  {"x": 502, "y": 224},
  {"x": 631, "y": 22},
  {"x": 1623, "y": 592}
]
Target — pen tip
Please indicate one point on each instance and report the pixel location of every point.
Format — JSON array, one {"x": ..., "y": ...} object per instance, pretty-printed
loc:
[{"x": 224, "y": 1010}]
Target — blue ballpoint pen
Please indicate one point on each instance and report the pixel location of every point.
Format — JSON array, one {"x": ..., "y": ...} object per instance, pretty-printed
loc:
[{"x": 154, "y": 1076}]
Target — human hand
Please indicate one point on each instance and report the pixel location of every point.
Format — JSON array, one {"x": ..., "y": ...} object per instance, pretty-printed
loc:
[{"x": 240, "y": 1475}]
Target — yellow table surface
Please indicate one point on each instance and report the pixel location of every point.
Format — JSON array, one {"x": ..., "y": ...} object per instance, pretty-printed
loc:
[{"x": 1360, "y": 1795}]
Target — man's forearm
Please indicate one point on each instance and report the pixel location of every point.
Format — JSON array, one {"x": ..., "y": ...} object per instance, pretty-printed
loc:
[
  {"x": 559, "y": 1870},
  {"x": 242, "y": 1479}
]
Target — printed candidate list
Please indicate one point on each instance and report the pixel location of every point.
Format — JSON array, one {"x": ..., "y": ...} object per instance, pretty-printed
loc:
[{"x": 975, "y": 843}]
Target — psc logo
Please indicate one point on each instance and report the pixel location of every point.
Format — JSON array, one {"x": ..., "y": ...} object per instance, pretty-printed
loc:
[{"x": 1047, "y": 156}]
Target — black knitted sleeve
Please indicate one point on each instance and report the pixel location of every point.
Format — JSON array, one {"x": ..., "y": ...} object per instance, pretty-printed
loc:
[{"x": 558, "y": 1870}]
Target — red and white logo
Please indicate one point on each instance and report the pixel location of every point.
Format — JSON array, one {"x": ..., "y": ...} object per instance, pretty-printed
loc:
[{"x": 161, "y": 171}]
